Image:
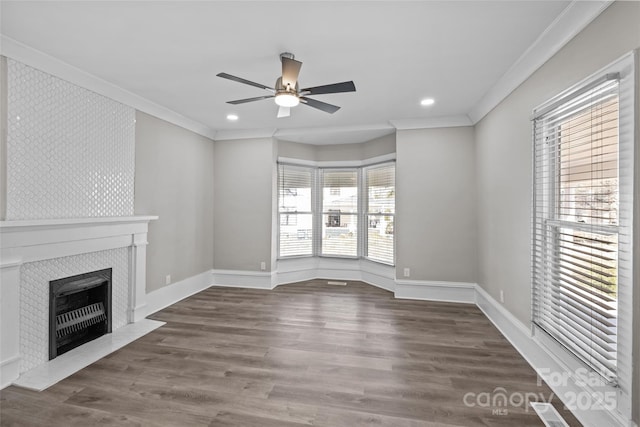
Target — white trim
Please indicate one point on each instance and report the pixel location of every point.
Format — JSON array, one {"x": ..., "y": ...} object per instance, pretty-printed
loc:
[
  {"x": 308, "y": 268},
  {"x": 432, "y": 122},
  {"x": 37, "y": 240},
  {"x": 283, "y": 133},
  {"x": 576, "y": 16},
  {"x": 288, "y": 134},
  {"x": 338, "y": 163},
  {"x": 232, "y": 134},
  {"x": 243, "y": 279},
  {"x": 40, "y": 60},
  {"x": 169, "y": 295},
  {"x": 73, "y": 222},
  {"x": 378, "y": 275},
  {"x": 459, "y": 292},
  {"x": 542, "y": 361}
]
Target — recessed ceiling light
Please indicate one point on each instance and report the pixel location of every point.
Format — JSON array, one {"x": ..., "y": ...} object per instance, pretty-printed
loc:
[
  {"x": 232, "y": 117},
  {"x": 427, "y": 101}
]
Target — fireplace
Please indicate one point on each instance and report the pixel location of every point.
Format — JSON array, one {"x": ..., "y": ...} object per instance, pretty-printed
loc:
[{"x": 79, "y": 310}]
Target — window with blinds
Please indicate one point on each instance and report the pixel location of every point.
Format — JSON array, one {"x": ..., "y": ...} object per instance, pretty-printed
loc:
[
  {"x": 295, "y": 210},
  {"x": 380, "y": 189},
  {"x": 339, "y": 212},
  {"x": 576, "y": 223}
]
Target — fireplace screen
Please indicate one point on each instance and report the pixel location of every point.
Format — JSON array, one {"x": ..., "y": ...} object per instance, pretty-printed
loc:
[{"x": 79, "y": 310}]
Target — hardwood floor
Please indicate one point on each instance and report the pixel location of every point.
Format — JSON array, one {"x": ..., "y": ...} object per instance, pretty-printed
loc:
[{"x": 299, "y": 355}]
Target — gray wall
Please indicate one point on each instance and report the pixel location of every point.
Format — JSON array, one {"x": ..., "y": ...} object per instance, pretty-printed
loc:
[
  {"x": 504, "y": 159},
  {"x": 504, "y": 178},
  {"x": 243, "y": 191},
  {"x": 636, "y": 259},
  {"x": 3, "y": 138},
  {"x": 435, "y": 204},
  {"x": 174, "y": 180}
]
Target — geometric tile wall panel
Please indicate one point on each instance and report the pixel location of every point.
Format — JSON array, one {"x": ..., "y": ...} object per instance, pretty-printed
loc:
[
  {"x": 70, "y": 151},
  {"x": 34, "y": 296}
]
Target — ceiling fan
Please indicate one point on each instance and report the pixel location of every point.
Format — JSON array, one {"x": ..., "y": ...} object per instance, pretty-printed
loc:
[{"x": 287, "y": 93}]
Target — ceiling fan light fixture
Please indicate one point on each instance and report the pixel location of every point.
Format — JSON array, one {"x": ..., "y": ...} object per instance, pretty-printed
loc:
[{"x": 287, "y": 100}]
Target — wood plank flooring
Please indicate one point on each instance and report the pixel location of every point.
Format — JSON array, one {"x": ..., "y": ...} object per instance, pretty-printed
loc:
[{"x": 299, "y": 355}]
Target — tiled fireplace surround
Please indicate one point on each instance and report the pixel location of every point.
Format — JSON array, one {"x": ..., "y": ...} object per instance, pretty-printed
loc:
[
  {"x": 70, "y": 168},
  {"x": 34, "y": 252}
]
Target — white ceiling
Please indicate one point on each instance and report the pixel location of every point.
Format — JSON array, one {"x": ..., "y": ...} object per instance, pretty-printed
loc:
[{"x": 396, "y": 53}]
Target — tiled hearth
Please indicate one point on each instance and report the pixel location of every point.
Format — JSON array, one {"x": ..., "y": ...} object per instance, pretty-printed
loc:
[{"x": 34, "y": 252}]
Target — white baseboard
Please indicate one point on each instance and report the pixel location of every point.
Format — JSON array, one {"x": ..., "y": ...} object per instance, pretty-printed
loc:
[
  {"x": 459, "y": 292},
  {"x": 9, "y": 371},
  {"x": 164, "y": 297},
  {"x": 243, "y": 279},
  {"x": 379, "y": 281},
  {"x": 301, "y": 269},
  {"x": 542, "y": 361}
]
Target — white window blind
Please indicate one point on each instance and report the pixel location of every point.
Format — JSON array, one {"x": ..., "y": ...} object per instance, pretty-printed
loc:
[
  {"x": 339, "y": 212},
  {"x": 295, "y": 210},
  {"x": 578, "y": 236},
  {"x": 380, "y": 190}
]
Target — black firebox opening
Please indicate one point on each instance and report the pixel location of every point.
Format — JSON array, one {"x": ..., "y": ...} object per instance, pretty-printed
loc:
[{"x": 79, "y": 310}]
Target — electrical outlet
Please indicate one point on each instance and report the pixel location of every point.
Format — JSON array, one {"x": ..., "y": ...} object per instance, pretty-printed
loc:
[
  {"x": 263, "y": 265},
  {"x": 167, "y": 280},
  {"x": 407, "y": 272},
  {"x": 501, "y": 296}
]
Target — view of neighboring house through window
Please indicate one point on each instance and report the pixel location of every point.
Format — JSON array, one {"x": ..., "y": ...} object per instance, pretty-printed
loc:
[
  {"x": 576, "y": 227},
  {"x": 339, "y": 212},
  {"x": 321, "y": 211},
  {"x": 295, "y": 210},
  {"x": 380, "y": 184}
]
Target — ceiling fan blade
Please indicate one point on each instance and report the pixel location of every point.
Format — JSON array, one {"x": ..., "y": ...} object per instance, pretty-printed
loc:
[
  {"x": 241, "y": 80},
  {"x": 332, "y": 88},
  {"x": 290, "y": 71},
  {"x": 284, "y": 112},
  {"x": 242, "y": 101},
  {"x": 328, "y": 108}
]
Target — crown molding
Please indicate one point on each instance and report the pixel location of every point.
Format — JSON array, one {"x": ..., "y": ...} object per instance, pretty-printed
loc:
[
  {"x": 223, "y": 135},
  {"x": 313, "y": 133},
  {"x": 573, "y": 19},
  {"x": 431, "y": 122},
  {"x": 332, "y": 129},
  {"x": 43, "y": 62}
]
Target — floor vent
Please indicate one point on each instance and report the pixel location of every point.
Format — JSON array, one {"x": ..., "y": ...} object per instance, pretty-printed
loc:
[
  {"x": 330, "y": 282},
  {"x": 548, "y": 414}
]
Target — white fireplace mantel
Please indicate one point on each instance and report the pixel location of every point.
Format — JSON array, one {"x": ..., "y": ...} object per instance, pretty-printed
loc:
[{"x": 36, "y": 240}]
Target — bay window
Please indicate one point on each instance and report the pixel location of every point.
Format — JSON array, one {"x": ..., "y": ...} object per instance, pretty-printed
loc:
[{"x": 337, "y": 212}]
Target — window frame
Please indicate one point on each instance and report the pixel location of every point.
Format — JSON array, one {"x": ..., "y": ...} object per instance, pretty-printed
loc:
[
  {"x": 280, "y": 212},
  {"x": 318, "y": 213},
  {"x": 366, "y": 213},
  {"x": 621, "y": 386},
  {"x": 321, "y": 211}
]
